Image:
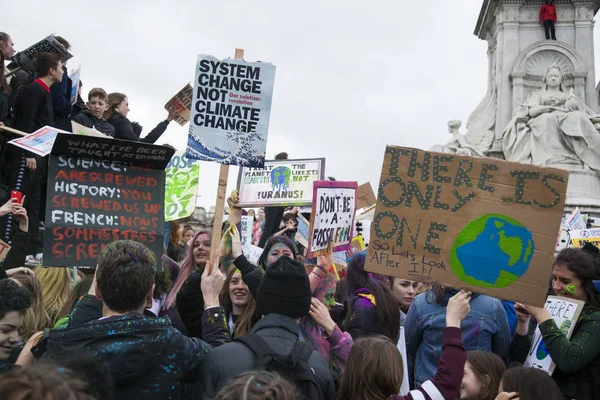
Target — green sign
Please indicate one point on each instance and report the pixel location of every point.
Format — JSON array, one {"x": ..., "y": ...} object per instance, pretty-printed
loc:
[{"x": 181, "y": 187}]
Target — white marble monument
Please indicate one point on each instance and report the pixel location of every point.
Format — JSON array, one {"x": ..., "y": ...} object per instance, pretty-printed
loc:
[{"x": 541, "y": 105}]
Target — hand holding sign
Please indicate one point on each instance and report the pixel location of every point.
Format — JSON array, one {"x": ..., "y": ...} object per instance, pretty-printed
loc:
[
  {"x": 212, "y": 283},
  {"x": 236, "y": 242}
]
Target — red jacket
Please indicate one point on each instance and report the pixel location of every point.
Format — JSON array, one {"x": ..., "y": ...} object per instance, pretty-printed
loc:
[{"x": 548, "y": 11}]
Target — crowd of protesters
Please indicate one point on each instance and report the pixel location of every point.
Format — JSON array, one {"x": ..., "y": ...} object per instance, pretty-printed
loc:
[{"x": 286, "y": 327}]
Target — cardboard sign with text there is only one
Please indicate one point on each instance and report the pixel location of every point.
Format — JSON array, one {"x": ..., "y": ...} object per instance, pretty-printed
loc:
[{"x": 476, "y": 223}]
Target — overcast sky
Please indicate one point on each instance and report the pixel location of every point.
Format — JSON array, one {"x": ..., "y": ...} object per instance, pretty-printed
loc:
[{"x": 352, "y": 76}]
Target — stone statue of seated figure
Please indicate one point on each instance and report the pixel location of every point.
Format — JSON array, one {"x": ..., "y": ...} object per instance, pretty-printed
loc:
[
  {"x": 459, "y": 143},
  {"x": 554, "y": 128}
]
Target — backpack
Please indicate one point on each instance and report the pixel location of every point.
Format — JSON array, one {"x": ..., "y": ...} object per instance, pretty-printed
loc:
[{"x": 293, "y": 367}]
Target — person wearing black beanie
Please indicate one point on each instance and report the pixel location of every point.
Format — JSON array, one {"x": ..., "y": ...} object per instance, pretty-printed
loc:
[
  {"x": 283, "y": 297},
  {"x": 284, "y": 290}
]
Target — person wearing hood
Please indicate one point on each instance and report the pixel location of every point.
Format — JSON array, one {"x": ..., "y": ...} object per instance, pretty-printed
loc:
[
  {"x": 485, "y": 328},
  {"x": 116, "y": 115},
  {"x": 146, "y": 357},
  {"x": 93, "y": 117}
]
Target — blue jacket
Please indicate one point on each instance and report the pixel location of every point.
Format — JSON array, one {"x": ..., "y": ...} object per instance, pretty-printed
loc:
[{"x": 485, "y": 328}]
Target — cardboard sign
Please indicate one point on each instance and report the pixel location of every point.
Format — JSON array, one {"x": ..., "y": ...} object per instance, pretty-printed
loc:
[
  {"x": 358, "y": 245},
  {"x": 180, "y": 105},
  {"x": 75, "y": 77},
  {"x": 99, "y": 191},
  {"x": 25, "y": 58},
  {"x": 231, "y": 106},
  {"x": 332, "y": 220},
  {"x": 565, "y": 313},
  {"x": 476, "y": 223},
  {"x": 366, "y": 196},
  {"x": 4, "y": 249},
  {"x": 280, "y": 183},
  {"x": 246, "y": 233},
  {"x": 580, "y": 242},
  {"x": 39, "y": 142},
  {"x": 182, "y": 177},
  {"x": 79, "y": 129}
]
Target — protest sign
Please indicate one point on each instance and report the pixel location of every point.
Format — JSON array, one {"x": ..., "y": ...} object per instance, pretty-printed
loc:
[
  {"x": 75, "y": 76},
  {"x": 357, "y": 245},
  {"x": 565, "y": 313},
  {"x": 180, "y": 105},
  {"x": 79, "y": 129},
  {"x": 99, "y": 191},
  {"x": 280, "y": 183},
  {"x": 4, "y": 249},
  {"x": 366, "y": 196},
  {"x": 332, "y": 220},
  {"x": 231, "y": 105},
  {"x": 576, "y": 221},
  {"x": 246, "y": 233},
  {"x": 469, "y": 222},
  {"x": 252, "y": 253},
  {"x": 182, "y": 177},
  {"x": 24, "y": 59},
  {"x": 39, "y": 142},
  {"x": 302, "y": 230}
]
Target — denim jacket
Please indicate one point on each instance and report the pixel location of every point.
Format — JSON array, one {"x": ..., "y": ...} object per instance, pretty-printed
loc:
[{"x": 485, "y": 328}]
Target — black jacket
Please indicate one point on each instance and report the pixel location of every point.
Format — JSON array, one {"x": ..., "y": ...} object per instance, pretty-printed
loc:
[
  {"x": 61, "y": 101},
  {"x": 86, "y": 119},
  {"x": 33, "y": 108},
  {"x": 17, "y": 253},
  {"x": 145, "y": 356},
  {"x": 230, "y": 360},
  {"x": 124, "y": 129}
]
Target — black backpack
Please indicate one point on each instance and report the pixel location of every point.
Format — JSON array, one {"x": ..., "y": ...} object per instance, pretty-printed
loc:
[{"x": 293, "y": 367}]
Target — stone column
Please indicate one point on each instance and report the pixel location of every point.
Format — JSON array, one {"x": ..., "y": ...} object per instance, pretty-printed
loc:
[{"x": 584, "y": 43}]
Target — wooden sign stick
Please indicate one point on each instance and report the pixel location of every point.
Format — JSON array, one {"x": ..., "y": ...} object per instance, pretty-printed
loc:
[
  {"x": 12, "y": 72},
  {"x": 13, "y": 130},
  {"x": 221, "y": 193}
]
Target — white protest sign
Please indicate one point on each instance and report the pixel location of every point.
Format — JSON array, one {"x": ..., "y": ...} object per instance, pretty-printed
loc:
[
  {"x": 565, "y": 313},
  {"x": 246, "y": 234},
  {"x": 75, "y": 77},
  {"x": 302, "y": 230},
  {"x": 231, "y": 106},
  {"x": 576, "y": 221},
  {"x": 280, "y": 183},
  {"x": 252, "y": 253},
  {"x": 39, "y": 142},
  {"x": 332, "y": 220}
]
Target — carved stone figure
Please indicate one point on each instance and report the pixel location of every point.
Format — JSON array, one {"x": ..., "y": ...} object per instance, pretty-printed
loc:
[
  {"x": 554, "y": 128},
  {"x": 458, "y": 143}
]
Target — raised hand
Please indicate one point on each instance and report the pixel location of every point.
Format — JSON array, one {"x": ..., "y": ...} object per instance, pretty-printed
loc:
[{"x": 458, "y": 308}]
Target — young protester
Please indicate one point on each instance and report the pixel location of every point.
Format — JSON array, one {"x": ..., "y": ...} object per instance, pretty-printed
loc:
[
  {"x": 36, "y": 318},
  {"x": 174, "y": 248},
  {"x": 78, "y": 292},
  {"x": 283, "y": 297},
  {"x": 273, "y": 215},
  {"x": 404, "y": 292},
  {"x": 56, "y": 286},
  {"x": 14, "y": 302},
  {"x": 374, "y": 370},
  {"x": 97, "y": 105},
  {"x": 548, "y": 18},
  {"x": 577, "y": 359},
  {"x": 116, "y": 115},
  {"x": 25, "y": 171},
  {"x": 290, "y": 222},
  {"x": 7, "y": 46},
  {"x": 61, "y": 95},
  {"x": 258, "y": 385},
  {"x": 485, "y": 328},
  {"x": 522, "y": 383},
  {"x": 370, "y": 306},
  {"x": 481, "y": 379},
  {"x": 146, "y": 357},
  {"x": 187, "y": 235},
  {"x": 43, "y": 383},
  {"x": 238, "y": 303},
  {"x": 260, "y": 217},
  {"x": 185, "y": 294},
  {"x": 256, "y": 229}
]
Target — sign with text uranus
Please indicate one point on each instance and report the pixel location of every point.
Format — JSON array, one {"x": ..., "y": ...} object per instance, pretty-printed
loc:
[
  {"x": 231, "y": 106},
  {"x": 474, "y": 223}
]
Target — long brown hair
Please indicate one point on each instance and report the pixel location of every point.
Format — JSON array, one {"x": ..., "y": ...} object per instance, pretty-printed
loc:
[
  {"x": 114, "y": 99},
  {"x": 531, "y": 384},
  {"x": 36, "y": 318},
  {"x": 4, "y": 88},
  {"x": 585, "y": 264},
  {"x": 243, "y": 325},
  {"x": 488, "y": 369},
  {"x": 175, "y": 235},
  {"x": 373, "y": 370},
  {"x": 258, "y": 385}
]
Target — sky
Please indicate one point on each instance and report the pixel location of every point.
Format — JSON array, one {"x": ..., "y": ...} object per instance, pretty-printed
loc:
[{"x": 352, "y": 76}]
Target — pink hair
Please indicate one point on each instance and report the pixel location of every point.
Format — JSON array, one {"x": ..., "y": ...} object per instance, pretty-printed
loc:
[{"x": 188, "y": 264}]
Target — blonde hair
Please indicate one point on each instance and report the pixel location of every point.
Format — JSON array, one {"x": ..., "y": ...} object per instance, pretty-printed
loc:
[
  {"x": 56, "y": 287},
  {"x": 36, "y": 318}
]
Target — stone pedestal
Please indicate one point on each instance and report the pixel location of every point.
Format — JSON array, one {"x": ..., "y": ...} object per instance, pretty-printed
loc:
[{"x": 583, "y": 191}]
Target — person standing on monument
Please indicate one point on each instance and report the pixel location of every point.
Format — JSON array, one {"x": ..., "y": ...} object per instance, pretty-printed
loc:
[{"x": 548, "y": 18}]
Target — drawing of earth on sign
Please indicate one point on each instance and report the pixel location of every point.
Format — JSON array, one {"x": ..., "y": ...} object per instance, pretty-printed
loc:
[
  {"x": 492, "y": 251},
  {"x": 280, "y": 178},
  {"x": 541, "y": 351}
]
